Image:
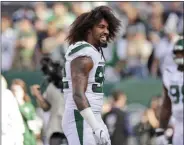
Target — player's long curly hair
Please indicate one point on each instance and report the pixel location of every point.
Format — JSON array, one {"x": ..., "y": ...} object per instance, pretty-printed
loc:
[{"x": 86, "y": 21}]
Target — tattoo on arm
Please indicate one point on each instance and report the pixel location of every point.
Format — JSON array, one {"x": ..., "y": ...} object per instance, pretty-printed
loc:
[
  {"x": 80, "y": 68},
  {"x": 165, "y": 112}
]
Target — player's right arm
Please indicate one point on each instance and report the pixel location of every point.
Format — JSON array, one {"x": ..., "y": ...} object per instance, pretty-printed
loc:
[
  {"x": 80, "y": 69},
  {"x": 164, "y": 117}
]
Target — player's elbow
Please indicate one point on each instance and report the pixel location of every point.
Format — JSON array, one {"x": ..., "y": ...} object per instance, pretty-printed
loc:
[{"x": 77, "y": 96}]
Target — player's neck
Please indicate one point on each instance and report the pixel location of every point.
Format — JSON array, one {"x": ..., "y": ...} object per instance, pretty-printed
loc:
[{"x": 92, "y": 43}]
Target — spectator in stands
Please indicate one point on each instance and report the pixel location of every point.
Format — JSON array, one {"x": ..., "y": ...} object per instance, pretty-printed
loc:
[
  {"x": 138, "y": 51},
  {"x": 26, "y": 44},
  {"x": 41, "y": 32},
  {"x": 175, "y": 7},
  {"x": 21, "y": 13},
  {"x": 49, "y": 43},
  {"x": 80, "y": 7},
  {"x": 42, "y": 12},
  {"x": 12, "y": 123},
  {"x": 116, "y": 119},
  {"x": 55, "y": 44},
  {"x": 155, "y": 28},
  {"x": 32, "y": 123},
  {"x": 41, "y": 29},
  {"x": 156, "y": 25},
  {"x": 155, "y": 34},
  {"x": 157, "y": 8},
  {"x": 8, "y": 39},
  {"x": 62, "y": 17},
  {"x": 163, "y": 50},
  {"x": 58, "y": 53},
  {"x": 76, "y": 9},
  {"x": 135, "y": 50}
]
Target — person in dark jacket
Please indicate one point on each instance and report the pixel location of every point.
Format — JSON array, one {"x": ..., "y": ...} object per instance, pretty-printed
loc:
[{"x": 116, "y": 119}]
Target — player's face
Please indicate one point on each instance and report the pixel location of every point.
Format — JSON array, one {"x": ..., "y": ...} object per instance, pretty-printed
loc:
[{"x": 100, "y": 33}]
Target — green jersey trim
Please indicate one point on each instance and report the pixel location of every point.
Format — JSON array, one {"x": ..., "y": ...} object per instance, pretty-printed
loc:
[
  {"x": 65, "y": 85},
  {"x": 76, "y": 49},
  {"x": 79, "y": 124}
]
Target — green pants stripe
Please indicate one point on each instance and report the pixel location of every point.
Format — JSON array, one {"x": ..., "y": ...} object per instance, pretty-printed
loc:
[{"x": 79, "y": 124}]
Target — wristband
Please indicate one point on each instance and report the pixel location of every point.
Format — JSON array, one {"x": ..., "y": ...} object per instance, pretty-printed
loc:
[{"x": 89, "y": 117}]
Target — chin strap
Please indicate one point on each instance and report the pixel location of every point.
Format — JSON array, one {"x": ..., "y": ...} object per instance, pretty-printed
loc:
[{"x": 102, "y": 53}]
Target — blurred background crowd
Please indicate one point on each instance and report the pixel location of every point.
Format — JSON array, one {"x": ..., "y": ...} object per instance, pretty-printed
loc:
[{"x": 143, "y": 48}]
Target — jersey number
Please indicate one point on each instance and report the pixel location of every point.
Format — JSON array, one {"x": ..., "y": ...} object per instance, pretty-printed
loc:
[
  {"x": 99, "y": 79},
  {"x": 175, "y": 93},
  {"x": 65, "y": 83}
]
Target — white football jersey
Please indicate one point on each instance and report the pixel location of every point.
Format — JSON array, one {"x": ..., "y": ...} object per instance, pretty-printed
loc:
[
  {"x": 94, "y": 91},
  {"x": 173, "y": 81}
]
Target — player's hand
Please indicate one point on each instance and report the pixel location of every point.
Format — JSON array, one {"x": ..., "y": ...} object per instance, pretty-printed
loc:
[
  {"x": 161, "y": 140},
  {"x": 35, "y": 90},
  {"x": 102, "y": 137}
]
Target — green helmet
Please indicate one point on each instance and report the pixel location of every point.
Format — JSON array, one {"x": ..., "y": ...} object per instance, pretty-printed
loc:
[{"x": 179, "y": 48}]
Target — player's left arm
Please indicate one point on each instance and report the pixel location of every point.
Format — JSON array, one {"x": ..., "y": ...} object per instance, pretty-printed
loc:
[
  {"x": 164, "y": 117},
  {"x": 165, "y": 111}
]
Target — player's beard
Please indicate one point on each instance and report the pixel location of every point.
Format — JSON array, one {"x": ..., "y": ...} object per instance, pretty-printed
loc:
[
  {"x": 103, "y": 44},
  {"x": 103, "y": 41}
]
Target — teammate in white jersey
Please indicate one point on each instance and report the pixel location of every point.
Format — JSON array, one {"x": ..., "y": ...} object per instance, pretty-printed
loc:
[
  {"x": 83, "y": 77},
  {"x": 173, "y": 81}
]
